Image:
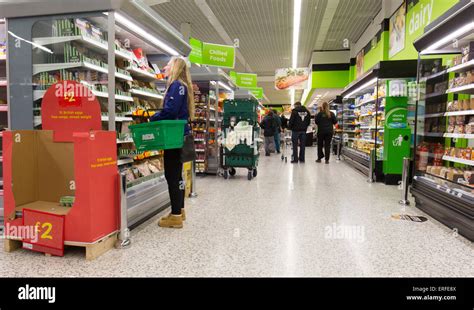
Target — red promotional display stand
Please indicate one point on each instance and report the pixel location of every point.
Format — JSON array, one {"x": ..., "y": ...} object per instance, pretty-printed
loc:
[{"x": 71, "y": 156}]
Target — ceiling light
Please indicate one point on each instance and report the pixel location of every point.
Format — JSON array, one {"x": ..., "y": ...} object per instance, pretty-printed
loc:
[
  {"x": 366, "y": 85},
  {"x": 449, "y": 38},
  {"x": 296, "y": 30},
  {"x": 124, "y": 21}
]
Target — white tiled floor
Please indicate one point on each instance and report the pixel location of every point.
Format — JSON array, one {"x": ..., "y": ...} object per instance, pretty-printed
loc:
[{"x": 276, "y": 225}]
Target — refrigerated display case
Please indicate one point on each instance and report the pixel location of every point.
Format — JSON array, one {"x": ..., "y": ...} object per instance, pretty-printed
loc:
[
  {"x": 443, "y": 184},
  {"x": 212, "y": 86},
  {"x": 375, "y": 124},
  {"x": 105, "y": 46}
]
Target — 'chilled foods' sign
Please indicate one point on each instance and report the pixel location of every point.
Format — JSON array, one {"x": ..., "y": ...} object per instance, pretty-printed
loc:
[
  {"x": 291, "y": 78},
  {"x": 246, "y": 80},
  {"x": 218, "y": 55}
]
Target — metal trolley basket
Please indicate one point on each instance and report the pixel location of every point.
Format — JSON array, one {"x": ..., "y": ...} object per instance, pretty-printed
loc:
[{"x": 240, "y": 125}]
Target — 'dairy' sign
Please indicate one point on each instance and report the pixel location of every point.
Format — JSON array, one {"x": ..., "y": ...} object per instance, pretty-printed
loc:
[{"x": 218, "y": 55}]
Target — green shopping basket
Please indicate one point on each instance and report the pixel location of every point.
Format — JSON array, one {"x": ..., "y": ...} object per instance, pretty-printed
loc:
[{"x": 160, "y": 135}]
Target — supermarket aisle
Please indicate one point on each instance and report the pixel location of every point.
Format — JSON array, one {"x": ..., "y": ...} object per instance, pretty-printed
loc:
[{"x": 276, "y": 225}]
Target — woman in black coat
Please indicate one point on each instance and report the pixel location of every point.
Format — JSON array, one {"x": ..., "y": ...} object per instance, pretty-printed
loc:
[{"x": 325, "y": 120}]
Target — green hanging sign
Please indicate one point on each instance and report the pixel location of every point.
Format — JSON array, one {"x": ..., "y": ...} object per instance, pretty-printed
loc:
[
  {"x": 246, "y": 80},
  {"x": 196, "y": 51},
  {"x": 217, "y": 55},
  {"x": 257, "y": 92}
]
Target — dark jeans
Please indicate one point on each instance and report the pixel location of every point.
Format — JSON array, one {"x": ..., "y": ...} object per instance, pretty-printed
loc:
[
  {"x": 298, "y": 136},
  {"x": 324, "y": 138},
  {"x": 277, "y": 141},
  {"x": 173, "y": 175}
]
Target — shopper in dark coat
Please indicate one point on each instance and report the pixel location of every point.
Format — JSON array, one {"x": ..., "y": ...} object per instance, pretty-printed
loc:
[
  {"x": 298, "y": 124},
  {"x": 269, "y": 126},
  {"x": 284, "y": 122},
  {"x": 325, "y": 120}
]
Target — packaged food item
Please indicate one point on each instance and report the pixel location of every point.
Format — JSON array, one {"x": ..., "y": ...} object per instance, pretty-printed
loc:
[
  {"x": 67, "y": 201},
  {"x": 129, "y": 175}
]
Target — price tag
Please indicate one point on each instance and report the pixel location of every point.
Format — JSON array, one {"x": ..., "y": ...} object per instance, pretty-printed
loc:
[{"x": 49, "y": 232}]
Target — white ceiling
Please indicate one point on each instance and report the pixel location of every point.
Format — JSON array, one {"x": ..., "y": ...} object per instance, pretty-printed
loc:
[{"x": 264, "y": 28}]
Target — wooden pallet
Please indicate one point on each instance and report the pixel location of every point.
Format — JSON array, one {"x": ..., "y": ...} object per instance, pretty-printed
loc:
[{"x": 93, "y": 250}]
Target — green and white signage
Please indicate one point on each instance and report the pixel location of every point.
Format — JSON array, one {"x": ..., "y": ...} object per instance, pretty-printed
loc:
[
  {"x": 218, "y": 55},
  {"x": 257, "y": 92},
  {"x": 196, "y": 52},
  {"x": 246, "y": 80}
]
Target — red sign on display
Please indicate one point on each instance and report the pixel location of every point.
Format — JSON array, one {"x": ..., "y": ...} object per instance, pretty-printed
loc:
[
  {"x": 49, "y": 232},
  {"x": 68, "y": 107}
]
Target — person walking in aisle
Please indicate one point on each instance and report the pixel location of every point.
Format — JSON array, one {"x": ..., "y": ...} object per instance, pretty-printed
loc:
[
  {"x": 278, "y": 131},
  {"x": 299, "y": 122},
  {"x": 178, "y": 104},
  {"x": 269, "y": 127},
  {"x": 325, "y": 120},
  {"x": 284, "y": 122}
]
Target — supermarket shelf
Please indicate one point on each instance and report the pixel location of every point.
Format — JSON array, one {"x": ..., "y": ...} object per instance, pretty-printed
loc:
[
  {"x": 459, "y": 160},
  {"x": 368, "y": 101},
  {"x": 117, "y": 119},
  {"x": 124, "y": 161},
  {"x": 90, "y": 43},
  {"x": 434, "y": 115},
  {"x": 139, "y": 73},
  {"x": 370, "y": 128},
  {"x": 371, "y": 141},
  {"x": 39, "y": 94},
  {"x": 367, "y": 114},
  {"x": 200, "y": 150},
  {"x": 351, "y": 131},
  {"x": 462, "y": 67},
  {"x": 67, "y": 65},
  {"x": 38, "y": 68},
  {"x": 124, "y": 141},
  {"x": 3, "y": 108},
  {"x": 466, "y": 89},
  {"x": 146, "y": 94},
  {"x": 199, "y": 140},
  {"x": 459, "y": 135},
  {"x": 3, "y": 57},
  {"x": 433, "y": 76},
  {"x": 434, "y": 95},
  {"x": 124, "y": 77},
  {"x": 123, "y": 98},
  {"x": 3, "y": 83},
  {"x": 200, "y": 160},
  {"x": 457, "y": 113},
  {"x": 430, "y": 134}
]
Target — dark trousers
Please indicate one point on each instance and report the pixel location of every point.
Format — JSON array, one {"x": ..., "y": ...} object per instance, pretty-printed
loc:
[
  {"x": 277, "y": 142},
  {"x": 298, "y": 136},
  {"x": 324, "y": 139},
  {"x": 173, "y": 175}
]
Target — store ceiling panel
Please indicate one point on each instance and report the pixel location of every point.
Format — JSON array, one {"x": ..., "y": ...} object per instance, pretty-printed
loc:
[
  {"x": 264, "y": 28},
  {"x": 352, "y": 17}
]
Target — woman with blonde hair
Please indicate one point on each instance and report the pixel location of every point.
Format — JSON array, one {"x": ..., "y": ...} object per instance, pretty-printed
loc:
[
  {"x": 178, "y": 104},
  {"x": 325, "y": 120}
]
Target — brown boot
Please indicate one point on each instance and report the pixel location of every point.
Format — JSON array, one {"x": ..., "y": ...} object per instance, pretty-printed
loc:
[
  {"x": 183, "y": 214},
  {"x": 171, "y": 221}
]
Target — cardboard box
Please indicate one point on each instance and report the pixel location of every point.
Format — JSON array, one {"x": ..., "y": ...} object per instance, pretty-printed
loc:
[{"x": 38, "y": 171}]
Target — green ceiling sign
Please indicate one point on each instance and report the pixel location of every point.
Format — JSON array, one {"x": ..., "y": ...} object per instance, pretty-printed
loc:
[
  {"x": 196, "y": 52},
  {"x": 246, "y": 80},
  {"x": 218, "y": 55},
  {"x": 257, "y": 92}
]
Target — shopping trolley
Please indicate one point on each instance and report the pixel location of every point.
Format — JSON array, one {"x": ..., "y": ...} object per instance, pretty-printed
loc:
[{"x": 286, "y": 145}]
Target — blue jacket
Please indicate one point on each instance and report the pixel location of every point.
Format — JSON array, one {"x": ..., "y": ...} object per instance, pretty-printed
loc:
[{"x": 175, "y": 105}]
